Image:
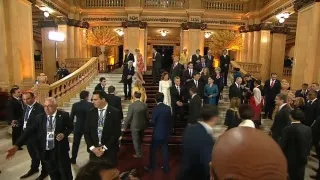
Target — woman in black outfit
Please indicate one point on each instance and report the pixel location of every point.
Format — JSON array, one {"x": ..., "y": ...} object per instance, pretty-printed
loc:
[
  {"x": 218, "y": 80},
  {"x": 232, "y": 118}
]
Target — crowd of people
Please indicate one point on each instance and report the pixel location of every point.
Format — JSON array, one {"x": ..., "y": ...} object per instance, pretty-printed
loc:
[{"x": 196, "y": 87}]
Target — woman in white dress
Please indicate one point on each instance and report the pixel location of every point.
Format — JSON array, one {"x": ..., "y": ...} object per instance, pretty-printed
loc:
[{"x": 164, "y": 87}]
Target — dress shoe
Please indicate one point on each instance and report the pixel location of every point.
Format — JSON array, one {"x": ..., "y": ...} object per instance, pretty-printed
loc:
[
  {"x": 29, "y": 173},
  {"x": 42, "y": 176},
  {"x": 20, "y": 149},
  {"x": 121, "y": 81},
  {"x": 73, "y": 161},
  {"x": 313, "y": 176}
]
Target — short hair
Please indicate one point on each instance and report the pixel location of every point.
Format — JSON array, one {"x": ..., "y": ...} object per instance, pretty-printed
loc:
[
  {"x": 239, "y": 78},
  {"x": 209, "y": 111},
  {"x": 245, "y": 111},
  {"x": 177, "y": 77},
  {"x": 282, "y": 97},
  {"x": 297, "y": 114},
  {"x": 196, "y": 73},
  {"x": 197, "y": 50},
  {"x": 51, "y": 99},
  {"x": 102, "y": 94},
  {"x": 273, "y": 74},
  {"x": 137, "y": 94},
  {"x": 312, "y": 92},
  {"x": 159, "y": 97},
  {"x": 193, "y": 89},
  {"x": 102, "y": 79},
  {"x": 258, "y": 81},
  {"x": 190, "y": 63},
  {"x": 28, "y": 92},
  {"x": 93, "y": 169},
  {"x": 84, "y": 94},
  {"x": 14, "y": 89},
  {"x": 111, "y": 89},
  {"x": 300, "y": 101},
  {"x": 305, "y": 84},
  {"x": 316, "y": 83}
]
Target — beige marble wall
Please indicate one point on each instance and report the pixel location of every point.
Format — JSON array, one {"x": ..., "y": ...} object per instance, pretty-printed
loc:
[
  {"x": 250, "y": 47},
  {"x": 265, "y": 54},
  {"x": 244, "y": 49},
  {"x": 196, "y": 41},
  {"x": 63, "y": 47},
  {"x": 256, "y": 46},
  {"x": 16, "y": 50},
  {"x": 307, "y": 47},
  {"x": 185, "y": 41},
  {"x": 49, "y": 54},
  {"x": 278, "y": 49},
  {"x": 71, "y": 41},
  {"x": 77, "y": 41},
  {"x": 83, "y": 46}
]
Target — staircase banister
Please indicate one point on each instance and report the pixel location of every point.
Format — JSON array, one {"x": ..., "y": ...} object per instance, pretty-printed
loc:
[{"x": 235, "y": 64}]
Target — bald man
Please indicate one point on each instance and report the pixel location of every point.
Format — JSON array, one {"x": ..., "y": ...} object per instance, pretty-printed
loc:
[{"x": 246, "y": 153}]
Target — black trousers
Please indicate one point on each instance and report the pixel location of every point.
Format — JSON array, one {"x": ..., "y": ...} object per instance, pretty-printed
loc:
[
  {"x": 296, "y": 172},
  {"x": 59, "y": 165},
  {"x": 155, "y": 74},
  {"x": 76, "y": 143},
  {"x": 176, "y": 110},
  {"x": 35, "y": 159},
  {"x": 109, "y": 156},
  {"x": 16, "y": 133},
  {"x": 225, "y": 76},
  {"x": 269, "y": 107},
  {"x": 127, "y": 85},
  {"x": 153, "y": 153}
]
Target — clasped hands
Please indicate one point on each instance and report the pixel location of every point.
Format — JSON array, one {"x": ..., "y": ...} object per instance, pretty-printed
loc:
[
  {"x": 98, "y": 151},
  {"x": 179, "y": 103}
]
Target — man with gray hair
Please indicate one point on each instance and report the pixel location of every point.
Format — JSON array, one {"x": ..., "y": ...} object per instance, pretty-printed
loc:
[
  {"x": 127, "y": 75},
  {"x": 52, "y": 128}
]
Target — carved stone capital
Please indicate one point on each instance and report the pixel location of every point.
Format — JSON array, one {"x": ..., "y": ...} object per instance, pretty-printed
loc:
[
  {"x": 254, "y": 27},
  {"x": 44, "y": 24},
  {"x": 193, "y": 25},
  {"x": 266, "y": 26},
  {"x": 138, "y": 24},
  {"x": 85, "y": 24},
  {"x": 280, "y": 30},
  {"x": 299, "y": 4},
  {"x": 243, "y": 29},
  {"x": 73, "y": 22}
]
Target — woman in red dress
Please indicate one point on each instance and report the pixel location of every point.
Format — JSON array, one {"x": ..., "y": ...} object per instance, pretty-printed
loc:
[{"x": 256, "y": 102}]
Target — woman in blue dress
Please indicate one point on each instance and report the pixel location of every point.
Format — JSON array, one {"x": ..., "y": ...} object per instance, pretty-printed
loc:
[{"x": 211, "y": 91}]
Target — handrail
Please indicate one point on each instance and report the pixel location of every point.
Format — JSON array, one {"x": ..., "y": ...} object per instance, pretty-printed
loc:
[
  {"x": 69, "y": 86},
  {"x": 254, "y": 69},
  {"x": 236, "y": 6},
  {"x": 164, "y": 3},
  {"x": 72, "y": 64},
  {"x": 102, "y": 3}
]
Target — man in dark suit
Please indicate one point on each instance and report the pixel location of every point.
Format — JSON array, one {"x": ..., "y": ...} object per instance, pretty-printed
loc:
[
  {"x": 177, "y": 100},
  {"x": 102, "y": 130},
  {"x": 312, "y": 109},
  {"x": 188, "y": 73},
  {"x": 196, "y": 58},
  {"x": 127, "y": 80},
  {"x": 127, "y": 57},
  {"x": 113, "y": 100},
  {"x": 281, "y": 119},
  {"x": 161, "y": 122},
  {"x": 198, "y": 141},
  {"x": 224, "y": 65},
  {"x": 315, "y": 87},
  {"x": 31, "y": 110},
  {"x": 296, "y": 142},
  {"x": 52, "y": 129},
  {"x": 272, "y": 87},
  {"x": 315, "y": 141},
  {"x": 14, "y": 108},
  {"x": 176, "y": 69},
  {"x": 209, "y": 61},
  {"x": 156, "y": 66},
  {"x": 195, "y": 82},
  {"x": 303, "y": 92},
  {"x": 102, "y": 85},
  {"x": 138, "y": 117},
  {"x": 235, "y": 90},
  {"x": 80, "y": 110},
  {"x": 195, "y": 105},
  {"x": 203, "y": 64}
]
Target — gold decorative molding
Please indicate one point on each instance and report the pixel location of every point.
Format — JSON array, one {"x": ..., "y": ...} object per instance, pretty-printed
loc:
[{"x": 299, "y": 4}]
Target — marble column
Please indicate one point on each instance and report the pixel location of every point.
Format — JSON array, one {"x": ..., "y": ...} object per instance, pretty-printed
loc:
[
  {"x": 265, "y": 54},
  {"x": 71, "y": 41},
  {"x": 185, "y": 40},
  {"x": 48, "y": 54},
  {"x": 278, "y": 47},
  {"x": 250, "y": 46},
  {"x": 244, "y": 48},
  {"x": 196, "y": 41},
  {"x": 63, "y": 47},
  {"x": 83, "y": 46},
  {"x": 306, "y": 64},
  {"x": 77, "y": 41},
  {"x": 16, "y": 50},
  {"x": 256, "y": 46}
]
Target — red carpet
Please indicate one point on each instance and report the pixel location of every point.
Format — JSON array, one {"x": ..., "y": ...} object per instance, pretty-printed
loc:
[{"x": 128, "y": 162}]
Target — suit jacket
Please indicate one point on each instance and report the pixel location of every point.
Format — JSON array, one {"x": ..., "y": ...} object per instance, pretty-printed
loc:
[
  {"x": 196, "y": 153},
  {"x": 311, "y": 112},
  {"x": 176, "y": 71},
  {"x": 296, "y": 142},
  {"x": 194, "y": 59},
  {"x": 157, "y": 62},
  {"x": 99, "y": 88},
  {"x": 115, "y": 101},
  {"x": 234, "y": 91},
  {"x": 175, "y": 96},
  {"x": 224, "y": 63},
  {"x": 269, "y": 92},
  {"x": 186, "y": 74},
  {"x": 161, "y": 121},
  {"x": 200, "y": 88},
  {"x": 299, "y": 94},
  {"x": 111, "y": 129},
  {"x": 36, "y": 110},
  {"x": 126, "y": 73},
  {"x": 281, "y": 120},
  {"x": 209, "y": 62},
  {"x": 194, "y": 109},
  {"x": 199, "y": 66},
  {"x": 138, "y": 116},
  {"x": 14, "y": 109},
  {"x": 316, "y": 131},
  {"x": 39, "y": 128},
  {"x": 80, "y": 110},
  {"x": 128, "y": 57}
]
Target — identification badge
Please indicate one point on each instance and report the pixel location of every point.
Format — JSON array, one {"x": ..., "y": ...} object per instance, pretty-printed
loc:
[{"x": 24, "y": 125}]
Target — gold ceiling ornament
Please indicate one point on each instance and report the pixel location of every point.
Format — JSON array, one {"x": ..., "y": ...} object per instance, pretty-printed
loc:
[
  {"x": 102, "y": 36},
  {"x": 225, "y": 39}
]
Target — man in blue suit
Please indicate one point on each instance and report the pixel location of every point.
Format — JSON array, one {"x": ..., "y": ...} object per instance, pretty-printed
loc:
[
  {"x": 197, "y": 147},
  {"x": 161, "y": 122}
]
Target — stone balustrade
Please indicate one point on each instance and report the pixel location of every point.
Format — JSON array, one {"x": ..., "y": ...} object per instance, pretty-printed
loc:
[
  {"x": 69, "y": 86},
  {"x": 38, "y": 66},
  {"x": 231, "y": 5},
  {"x": 164, "y": 4},
  {"x": 287, "y": 73},
  {"x": 73, "y": 64},
  {"x": 103, "y": 3},
  {"x": 266, "y": 2},
  {"x": 254, "y": 69}
]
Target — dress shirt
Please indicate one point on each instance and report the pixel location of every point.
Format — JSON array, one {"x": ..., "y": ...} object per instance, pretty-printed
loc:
[
  {"x": 193, "y": 95},
  {"x": 190, "y": 72},
  {"x": 272, "y": 81},
  {"x": 312, "y": 101},
  {"x": 178, "y": 89},
  {"x": 247, "y": 123},
  {"x": 196, "y": 83},
  {"x": 103, "y": 115},
  {"x": 296, "y": 122},
  {"x": 53, "y": 123},
  {"x": 282, "y": 106}
]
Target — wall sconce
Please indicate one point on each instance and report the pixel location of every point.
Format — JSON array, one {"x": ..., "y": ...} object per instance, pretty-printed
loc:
[
  {"x": 282, "y": 17},
  {"x": 164, "y": 33},
  {"x": 207, "y": 34},
  {"x": 120, "y": 32}
]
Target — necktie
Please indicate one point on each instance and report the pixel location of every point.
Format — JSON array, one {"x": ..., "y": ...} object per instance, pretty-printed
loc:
[
  {"x": 190, "y": 72},
  {"x": 50, "y": 134},
  {"x": 178, "y": 88},
  {"x": 272, "y": 84},
  {"x": 100, "y": 125},
  {"x": 197, "y": 84},
  {"x": 26, "y": 117}
]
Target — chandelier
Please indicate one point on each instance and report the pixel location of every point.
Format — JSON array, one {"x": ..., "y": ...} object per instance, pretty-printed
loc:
[
  {"x": 282, "y": 17},
  {"x": 120, "y": 32},
  {"x": 164, "y": 33},
  {"x": 207, "y": 34}
]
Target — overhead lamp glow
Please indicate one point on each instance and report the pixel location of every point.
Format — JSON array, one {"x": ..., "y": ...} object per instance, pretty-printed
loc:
[
  {"x": 56, "y": 36},
  {"x": 46, "y": 14},
  {"x": 207, "y": 34},
  {"x": 282, "y": 17},
  {"x": 281, "y": 20},
  {"x": 45, "y": 8},
  {"x": 164, "y": 33},
  {"x": 120, "y": 32}
]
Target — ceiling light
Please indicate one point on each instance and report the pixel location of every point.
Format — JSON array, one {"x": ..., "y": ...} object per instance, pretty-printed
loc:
[
  {"x": 207, "y": 34},
  {"x": 46, "y": 14},
  {"x": 282, "y": 17},
  {"x": 56, "y": 36},
  {"x": 164, "y": 33},
  {"x": 120, "y": 32},
  {"x": 45, "y": 8},
  {"x": 281, "y": 20}
]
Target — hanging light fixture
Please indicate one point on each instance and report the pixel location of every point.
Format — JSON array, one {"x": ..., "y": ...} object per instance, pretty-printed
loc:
[
  {"x": 120, "y": 32},
  {"x": 46, "y": 14},
  {"x": 282, "y": 16},
  {"x": 207, "y": 34},
  {"x": 164, "y": 33}
]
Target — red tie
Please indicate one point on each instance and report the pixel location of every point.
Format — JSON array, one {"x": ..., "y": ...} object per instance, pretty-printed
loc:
[{"x": 272, "y": 84}]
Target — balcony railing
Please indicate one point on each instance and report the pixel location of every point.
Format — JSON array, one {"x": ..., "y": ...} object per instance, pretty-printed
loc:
[
  {"x": 103, "y": 3},
  {"x": 287, "y": 74},
  {"x": 266, "y": 2},
  {"x": 230, "y": 5},
  {"x": 38, "y": 65},
  {"x": 254, "y": 69},
  {"x": 164, "y": 3}
]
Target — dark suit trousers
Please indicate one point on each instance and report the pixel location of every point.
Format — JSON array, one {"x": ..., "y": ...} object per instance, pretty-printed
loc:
[
  {"x": 109, "y": 156},
  {"x": 296, "y": 172},
  {"x": 125, "y": 88},
  {"x": 76, "y": 143},
  {"x": 225, "y": 76},
  {"x": 59, "y": 165},
  {"x": 153, "y": 153},
  {"x": 176, "y": 110},
  {"x": 269, "y": 107},
  {"x": 124, "y": 67},
  {"x": 35, "y": 160},
  {"x": 16, "y": 133},
  {"x": 137, "y": 138},
  {"x": 155, "y": 73}
]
